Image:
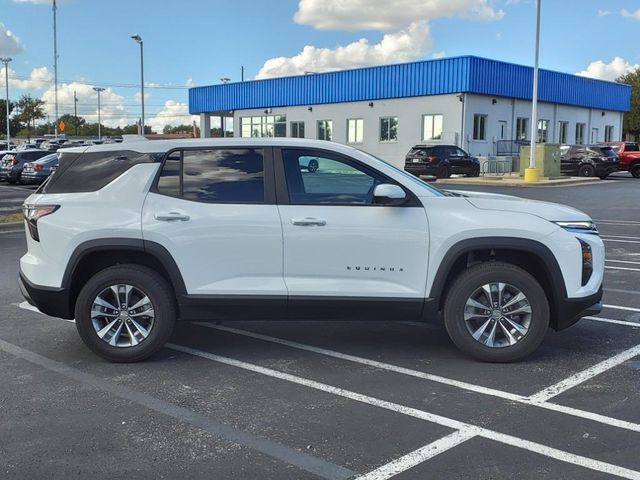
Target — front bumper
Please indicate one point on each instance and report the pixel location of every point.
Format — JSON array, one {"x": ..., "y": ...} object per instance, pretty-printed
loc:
[
  {"x": 569, "y": 310},
  {"x": 54, "y": 302}
]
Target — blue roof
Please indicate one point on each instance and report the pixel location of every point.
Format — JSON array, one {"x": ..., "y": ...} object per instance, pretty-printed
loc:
[{"x": 430, "y": 77}]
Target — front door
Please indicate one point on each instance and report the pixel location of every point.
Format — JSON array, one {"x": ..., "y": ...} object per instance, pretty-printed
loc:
[
  {"x": 344, "y": 255},
  {"x": 214, "y": 211}
]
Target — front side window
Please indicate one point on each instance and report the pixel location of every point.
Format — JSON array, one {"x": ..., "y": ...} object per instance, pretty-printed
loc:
[
  {"x": 215, "y": 175},
  {"x": 608, "y": 133},
  {"x": 543, "y": 131},
  {"x": 355, "y": 129},
  {"x": 316, "y": 177},
  {"x": 521, "y": 128},
  {"x": 580, "y": 133},
  {"x": 325, "y": 129},
  {"x": 263, "y": 126},
  {"x": 563, "y": 127},
  {"x": 431, "y": 127},
  {"x": 479, "y": 127},
  {"x": 389, "y": 129},
  {"x": 297, "y": 129}
]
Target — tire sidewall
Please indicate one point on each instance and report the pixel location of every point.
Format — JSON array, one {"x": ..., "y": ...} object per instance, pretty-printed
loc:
[
  {"x": 584, "y": 169},
  {"x": 473, "y": 279},
  {"x": 635, "y": 170},
  {"x": 152, "y": 285}
]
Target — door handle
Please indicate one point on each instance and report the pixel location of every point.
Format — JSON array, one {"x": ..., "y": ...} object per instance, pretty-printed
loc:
[
  {"x": 171, "y": 217},
  {"x": 308, "y": 222}
]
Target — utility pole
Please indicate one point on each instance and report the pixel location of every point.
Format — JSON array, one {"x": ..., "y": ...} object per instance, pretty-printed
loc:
[
  {"x": 242, "y": 73},
  {"x": 55, "y": 64},
  {"x": 6, "y": 61},
  {"x": 75, "y": 110},
  {"x": 139, "y": 41},
  {"x": 531, "y": 174},
  {"x": 99, "y": 89}
]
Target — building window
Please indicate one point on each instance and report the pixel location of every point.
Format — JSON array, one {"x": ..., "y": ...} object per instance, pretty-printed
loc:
[
  {"x": 325, "y": 129},
  {"x": 297, "y": 129},
  {"x": 608, "y": 133},
  {"x": 355, "y": 128},
  {"x": 563, "y": 128},
  {"x": 388, "y": 129},
  {"x": 543, "y": 131},
  {"x": 580, "y": 133},
  {"x": 479, "y": 127},
  {"x": 264, "y": 126},
  {"x": 521, "y": 128},
  {"x": 431, "y": 127},
  {"x": 595, "y": 133},
  {"x": 503, "y": 129}
]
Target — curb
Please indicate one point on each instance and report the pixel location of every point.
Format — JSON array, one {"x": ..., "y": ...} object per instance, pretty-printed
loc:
[
  {"x": 11, "y": 227},
  {"x": 519, "y": 183}
]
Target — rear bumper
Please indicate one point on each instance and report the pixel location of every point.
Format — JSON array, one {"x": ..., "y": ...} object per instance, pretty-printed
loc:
[
  {"x": 418, "y": 169},
  {"x": 31, "y": 178},
  {"x": 569, "y": 310},
  {"x": 50, "y": 301}
]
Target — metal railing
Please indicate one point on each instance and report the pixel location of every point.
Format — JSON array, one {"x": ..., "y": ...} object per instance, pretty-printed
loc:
[{"x": 510, "y": 147}]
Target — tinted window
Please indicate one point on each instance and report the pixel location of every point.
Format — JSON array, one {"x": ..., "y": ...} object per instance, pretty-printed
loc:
[
  {"x": 223, "y": 175},
  {"x": 88, "y": 172},
  {"x": 321, "y": 178},
  {"x": 631, "y": 147},
  {"x": 169, "y": 181}
]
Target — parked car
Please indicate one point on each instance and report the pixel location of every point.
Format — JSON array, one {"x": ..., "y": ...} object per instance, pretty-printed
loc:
[
  {"x": 116, "y": 239},
  {"x": 588, "y": 160},
  {"x": 13, "y": 163},
  {"x": 27, "y": 146},
  {"x": 441, "y": 161},
  {"x": 37, "y": 172},
  {"x": 4, "y": 147},
  {"x": 628, "y": 155}
]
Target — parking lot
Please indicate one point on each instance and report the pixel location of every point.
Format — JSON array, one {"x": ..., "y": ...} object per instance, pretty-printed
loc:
[{"x": 332, "y": 400}]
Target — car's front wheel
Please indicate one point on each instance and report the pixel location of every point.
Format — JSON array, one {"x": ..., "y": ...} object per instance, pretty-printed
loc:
[
  {"x": 496, "y": 312},
  {"x": 125, "y": 313},
  {"x": 635, "y": 170},
  {"x": 586, "y": 171}
]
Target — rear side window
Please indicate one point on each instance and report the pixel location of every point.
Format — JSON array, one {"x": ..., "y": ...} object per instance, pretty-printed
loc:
[
  {"x": 232, "y": 175},
  {"x": 89, "y": 172},
  {"x": 631, "y": 147}
]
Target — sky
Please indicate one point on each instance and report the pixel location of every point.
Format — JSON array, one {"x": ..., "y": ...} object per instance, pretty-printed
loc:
[{"x": 199, "y": 42}]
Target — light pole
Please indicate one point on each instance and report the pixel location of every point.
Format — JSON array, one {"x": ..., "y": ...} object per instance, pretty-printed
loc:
[
  {"x": 138, "y": 39},
  {"x": 55, "y": 63},
  {"x": 6, "y": 61},
  {"x": 99, "y": 89},
  {"x": 531, "y": 173}
]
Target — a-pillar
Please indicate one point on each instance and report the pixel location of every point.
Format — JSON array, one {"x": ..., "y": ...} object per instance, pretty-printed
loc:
[{"x": 205, "y": 125}]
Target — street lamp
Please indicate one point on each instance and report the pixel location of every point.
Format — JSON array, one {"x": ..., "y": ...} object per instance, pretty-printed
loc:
[
  {"x": 138, "y": 39},
  {"x": 99, "y": 89},
  {"x": 225, "y": 79},
  {"x": 6, "y": 61}
]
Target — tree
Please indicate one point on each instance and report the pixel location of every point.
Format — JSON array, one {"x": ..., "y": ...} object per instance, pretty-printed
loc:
[
  {"x": 632, "y": 118},
  {"x": 14, "y": 123},
  {"x": 70, "y": 124},
  {"x": 183, "y": 129},
  {"x": 31, "y": 109}
]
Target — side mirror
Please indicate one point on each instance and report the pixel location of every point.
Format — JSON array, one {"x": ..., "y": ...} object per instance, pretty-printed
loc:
[{"x": 387, "y": 194}]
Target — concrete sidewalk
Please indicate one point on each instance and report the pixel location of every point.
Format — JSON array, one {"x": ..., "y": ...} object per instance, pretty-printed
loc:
[{"x": 517, "y": 181}]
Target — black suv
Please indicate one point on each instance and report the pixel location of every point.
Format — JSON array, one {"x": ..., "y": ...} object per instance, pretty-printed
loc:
[
  {"x": 588, "y": 160},
  {"x": 12, "y": 163},
  {"x": 441, "y": 161}
]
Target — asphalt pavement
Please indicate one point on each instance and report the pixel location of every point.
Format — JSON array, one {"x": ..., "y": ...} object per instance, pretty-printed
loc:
[{"x": 333, "y": 400}]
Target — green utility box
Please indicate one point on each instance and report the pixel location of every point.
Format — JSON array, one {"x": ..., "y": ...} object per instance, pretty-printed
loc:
[{"x": 547, "y": 159}]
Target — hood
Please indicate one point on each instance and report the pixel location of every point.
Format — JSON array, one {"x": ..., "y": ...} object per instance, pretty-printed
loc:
[{"x": 508, "y": 203}]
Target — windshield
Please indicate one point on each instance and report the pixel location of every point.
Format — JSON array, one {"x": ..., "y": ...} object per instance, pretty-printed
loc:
[{"x": 408, "y": 176}]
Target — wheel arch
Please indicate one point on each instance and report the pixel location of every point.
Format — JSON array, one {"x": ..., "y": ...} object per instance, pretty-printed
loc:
[{"x": 531, "y": 255}]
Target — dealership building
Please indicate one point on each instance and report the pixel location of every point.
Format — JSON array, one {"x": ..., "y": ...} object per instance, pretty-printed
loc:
[{"x": 480, "y": 105}]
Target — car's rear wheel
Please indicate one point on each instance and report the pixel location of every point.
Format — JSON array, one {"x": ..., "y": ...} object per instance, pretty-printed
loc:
[
  {"x": 125, "y": 313},
  {"x": 635, "y": 170},
  {"x": 496, "y": 312},
  {"x": 586, "y": 171},
  {"x": 444, "y": 172}
]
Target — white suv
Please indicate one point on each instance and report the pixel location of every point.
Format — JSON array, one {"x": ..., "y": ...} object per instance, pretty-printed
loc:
[{"x": 127, "y": 238}]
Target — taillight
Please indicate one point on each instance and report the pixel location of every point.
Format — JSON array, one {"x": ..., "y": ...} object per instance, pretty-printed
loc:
[
  {"x": 33, "y": 213},
  {"x": 432, "y": 158},
  {"x": 12, "y": 160},
  {"x": 37, "y": 166}
]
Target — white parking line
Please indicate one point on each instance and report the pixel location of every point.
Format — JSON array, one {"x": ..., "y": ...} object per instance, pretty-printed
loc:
[
  {"x": 418, "y": 456},
  {"x": 626, "y": 269},
  {"x": 584, "y": 375},
  {"x": 623, "y": 261},
  {"x": 541, "y": 449},
  {"x": 628, "y": 237},
  {"x": 619, "y": 307},
  {"x": 617, "y": 222},
  {"x": 618, "y": 240},
  {"x": 617, "y": 322}
]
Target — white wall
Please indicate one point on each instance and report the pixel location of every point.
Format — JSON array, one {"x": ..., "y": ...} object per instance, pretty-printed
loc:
[{"x": 410, "y": 111}]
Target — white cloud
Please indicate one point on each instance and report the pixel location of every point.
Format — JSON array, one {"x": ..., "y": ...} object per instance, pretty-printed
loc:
[
  {"x": 626, "y": 13},
  {"x": 9, "y": 43},
  {"x": 39, "y": 78},
  {"x": 604, "y": 13},
  {"x": 173, "y": 113},
  {"x": 608, "y": 71},
  {"x": 380, "y": 15},
  {"x": 440, "y": 54},
  {"x": 189, "y": 83},
  {"x": 397, "y": 47}
]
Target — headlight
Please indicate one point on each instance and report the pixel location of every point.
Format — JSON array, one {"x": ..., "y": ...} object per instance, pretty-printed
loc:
[{"x": 579, "y": 227}]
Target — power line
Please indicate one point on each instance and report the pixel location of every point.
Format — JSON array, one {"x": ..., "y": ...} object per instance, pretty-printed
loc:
[{"x": 118, "y": 85}]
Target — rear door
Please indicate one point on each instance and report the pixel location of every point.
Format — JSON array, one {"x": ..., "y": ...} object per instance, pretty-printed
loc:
[
  {"x": 343, "y": 254},
  {"x": 214, "y": 211}
]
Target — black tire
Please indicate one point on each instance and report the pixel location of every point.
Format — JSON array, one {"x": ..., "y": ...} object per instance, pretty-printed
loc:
[
  {"x": 634, "y": 169},
  {"x": 603, "y": 177},
  {"x": 443, "y": 172},
  {"x": 586, "y": 171},
  {"x": 313, "y": 166},
  {"x": 472, "y": 279},
  {"x": 475, "y": 172},
  {"x": 146, "y": 280},
  {"x": 11, "y": 181}
]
